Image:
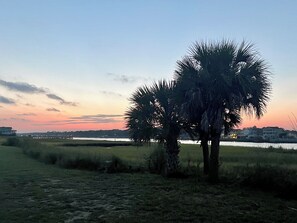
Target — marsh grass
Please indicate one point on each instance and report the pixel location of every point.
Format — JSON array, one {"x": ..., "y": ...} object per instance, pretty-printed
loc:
[
  {"x": 139, "y": 156},
  {"x": 72, "y": 158},
  {"x": 266, "y": 169}
]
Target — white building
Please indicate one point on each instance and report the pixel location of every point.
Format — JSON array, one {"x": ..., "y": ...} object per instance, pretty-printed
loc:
[
  {"x": 7, "y": 131},
  {"x": 251, "y": 133},
  {"x": 273, "y": 132}
]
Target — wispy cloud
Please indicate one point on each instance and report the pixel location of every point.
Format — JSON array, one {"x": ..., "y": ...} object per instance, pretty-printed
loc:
[
  {"x": 126, "y": 79},
  {"x": 99, "y": 118},
  {"x": 14, "y": 119},
  {"x": 22, "y": 87},
  {"x": 19, "y": 119},
  {"x": 29, "y": 105},
  {"x": 5, "y": 100},
  {"x": 111, "y": 93},
  {"x": 94, "y": 117},
  {"x": 61, "y": 100},
  {"x": 19, "y": 96},
  {"x": 87, "y": 119},
  {"x": 53, "y": 110},
  {"x": 32, "y": 89},
  {"x": 27, "y": 114}
]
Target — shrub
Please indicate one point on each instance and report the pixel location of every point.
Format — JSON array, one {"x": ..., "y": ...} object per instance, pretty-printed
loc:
[
  {"x": 278, "y": 150},
  {"x": 193, "y": 170},
  {"x": 32, "y": 153},
  {"x": 79, "y": 162},
  {"x": 28, "y": 143},
  {"x": 12, "y": 141},
  {"x": 50, "y": 158},
  {"x": 156, "y": 161},
  {"x": 272, "y": 178},
  {"x": 116, "y": 165}
]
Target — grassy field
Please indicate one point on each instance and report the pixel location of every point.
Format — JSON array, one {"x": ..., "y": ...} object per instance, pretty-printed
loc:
[
  {"x": 230, "y": 156},
  {"x": 31, "y": 191}
]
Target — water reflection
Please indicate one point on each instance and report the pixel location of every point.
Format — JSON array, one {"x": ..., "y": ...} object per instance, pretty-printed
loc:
[{"x": 224, "y": 143}]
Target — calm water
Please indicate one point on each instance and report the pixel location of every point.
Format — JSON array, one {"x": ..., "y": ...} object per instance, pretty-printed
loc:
[{"x": 245, "y": 144}]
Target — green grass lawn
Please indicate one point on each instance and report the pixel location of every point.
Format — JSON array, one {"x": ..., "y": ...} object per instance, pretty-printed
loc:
[{"x": 31, "y": 191}]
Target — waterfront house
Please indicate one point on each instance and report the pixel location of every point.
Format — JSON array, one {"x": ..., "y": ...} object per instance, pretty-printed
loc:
[
  {"x": 273, "y": 133},
  {"x": 7, "y": 131}
]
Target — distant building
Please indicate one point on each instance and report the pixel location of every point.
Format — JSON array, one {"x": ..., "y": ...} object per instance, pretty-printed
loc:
[
  {"x": 233, "y": 134},
  {"x": 251, "y": 133},
  {"x": 271, "y": 133},
  {"x": 292, "y": 134},
  {"x": 7, "y": 131},
  {"x": 265, "y": 134}
]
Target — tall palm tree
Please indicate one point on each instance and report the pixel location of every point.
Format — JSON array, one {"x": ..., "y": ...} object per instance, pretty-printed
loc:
[
  {"x": 154, "y": 115},
  {"x": 217, "y": 81}
]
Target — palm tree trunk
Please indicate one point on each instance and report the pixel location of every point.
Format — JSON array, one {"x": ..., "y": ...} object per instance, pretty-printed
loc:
[
  {"x": 205, "y": 151},
  {"x": 214, "y": 158},
  {"x": 172, "y": 160}
]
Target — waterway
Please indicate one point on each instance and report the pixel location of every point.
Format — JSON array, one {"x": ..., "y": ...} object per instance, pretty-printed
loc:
[{"x": 223, "y": 143}]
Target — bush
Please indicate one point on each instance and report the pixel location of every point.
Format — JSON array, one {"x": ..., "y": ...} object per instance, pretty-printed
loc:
[
  {"x": 116, "y": 165},
  {"x": 32, "y": 153},
  {"x": 28, "y": 143},
  {"x": 12, "y": 141},
  {"x": 156, "y": 161},
  {"x": 32, "y": 148},
  {"x": 272, "y": 178},
  {"x": 279, "y": 150},
  {"x": 50, "y": 158},
  {"x": 80, "y": 162}
]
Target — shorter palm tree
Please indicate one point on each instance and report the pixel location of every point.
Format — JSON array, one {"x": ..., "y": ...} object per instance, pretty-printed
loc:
[{"x": 155, "y": 115}]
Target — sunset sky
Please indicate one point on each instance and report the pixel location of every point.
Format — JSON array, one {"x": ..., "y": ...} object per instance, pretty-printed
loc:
[{"x": 73, "y": 64}]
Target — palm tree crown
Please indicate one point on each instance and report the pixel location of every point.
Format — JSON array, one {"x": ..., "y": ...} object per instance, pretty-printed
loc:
[
  {"x": 155, "y": 115},
  {"x": 220, "y": 79}
]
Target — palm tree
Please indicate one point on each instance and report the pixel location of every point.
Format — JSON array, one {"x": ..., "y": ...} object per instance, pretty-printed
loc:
[
  {"x": 154, "y": 115},
  {"x": 140, "y": 115},
  {"x": 217, "y": 81}
]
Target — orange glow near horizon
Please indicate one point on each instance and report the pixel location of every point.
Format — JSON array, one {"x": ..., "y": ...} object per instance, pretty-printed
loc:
[
  {"x": 36, "y": 127},
  {"x": 48, "y": 123},
  {"x": 276, "y": 118},
  {"x": 25, "y": 119},
  {"x": 106, "y": 115}
]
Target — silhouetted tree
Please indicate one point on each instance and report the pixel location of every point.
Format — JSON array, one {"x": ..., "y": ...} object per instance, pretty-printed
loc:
[
  {"x": 154, "y": 115},
  {"x": 216, "y": 81}
]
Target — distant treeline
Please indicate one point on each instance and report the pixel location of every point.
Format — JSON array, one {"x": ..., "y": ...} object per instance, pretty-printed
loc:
[{"x": 115, "y": 133}]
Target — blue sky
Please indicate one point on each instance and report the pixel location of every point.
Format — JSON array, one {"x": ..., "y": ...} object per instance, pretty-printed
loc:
[{"x": 95, "y": 53}]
